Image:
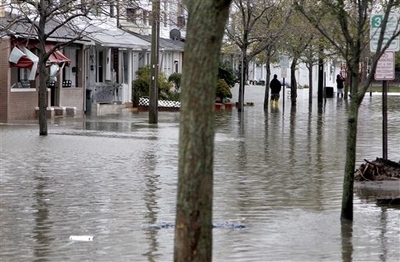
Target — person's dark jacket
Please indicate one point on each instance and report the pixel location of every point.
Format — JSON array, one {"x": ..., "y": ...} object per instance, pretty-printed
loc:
[
  {"x": 275, "y": 86},
  {"x": 339, "y": 81}
]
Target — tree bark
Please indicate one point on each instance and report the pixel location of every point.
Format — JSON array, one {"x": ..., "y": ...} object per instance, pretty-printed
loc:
[
  {"x": 267, "y": 78},
  {"x": 310, "y": 87},
  {"x": 193, "y": 230},
  {"x": 351, "y": 142},
  {"x": 293, "y": 82},
  {"x": 42, "y": 69},
  {"x": 42, "y": 97}
]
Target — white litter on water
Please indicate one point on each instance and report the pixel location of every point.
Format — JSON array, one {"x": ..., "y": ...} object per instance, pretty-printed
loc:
[{"x": 81, "y": 238}]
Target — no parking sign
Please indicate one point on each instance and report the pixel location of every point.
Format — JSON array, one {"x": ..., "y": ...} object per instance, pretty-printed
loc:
[{"x": 385, "y": 67}]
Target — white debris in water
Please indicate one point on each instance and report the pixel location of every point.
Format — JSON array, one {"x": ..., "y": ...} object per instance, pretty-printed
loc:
[{"x": 81, "y": 238}]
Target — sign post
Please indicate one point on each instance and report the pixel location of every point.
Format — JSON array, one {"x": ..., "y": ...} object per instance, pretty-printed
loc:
[
  {"x": 385, "y": 71},
  {"x": 284, "y": 64},
  {"x": 385, "y": 67}
]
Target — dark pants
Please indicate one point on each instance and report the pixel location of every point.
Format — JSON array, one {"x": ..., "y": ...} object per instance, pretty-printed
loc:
[{"x": 275, "y": 96}]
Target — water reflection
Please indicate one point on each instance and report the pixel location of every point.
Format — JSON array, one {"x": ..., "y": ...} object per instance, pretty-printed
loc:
[
  {"x": 42, "y": 229},
  {"x": 242, "y": 154},
  {"x": 150, "y": 200},
  {"x": 346, "y": 230},
  {"x": 382, "y": 235}
]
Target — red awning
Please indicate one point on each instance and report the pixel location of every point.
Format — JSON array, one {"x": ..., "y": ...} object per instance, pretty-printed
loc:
[
  {"x": 19, "y": 59},
  {"x": 23, "y": 62},
  {"x": 57, "y": 57}
]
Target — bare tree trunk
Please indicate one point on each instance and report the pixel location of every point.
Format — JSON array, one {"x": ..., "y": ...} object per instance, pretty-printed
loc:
[
  {"x": 42, "y": 98},
  {"x": 267, "y": 78},
  {"x": 243, "y": 77},
  {"x": 351, "y": 141},
  {"x": 310, "y": 85},
  {"x": 193, "y": 230},
  {"x": 293, "y": 82},
  {"x": 42, "y": 70}
]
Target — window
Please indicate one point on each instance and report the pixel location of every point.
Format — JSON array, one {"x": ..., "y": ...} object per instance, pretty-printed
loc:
[
  {"x": 146, "y": 17},
  {"x": 23, "y": 75},
  {"x": 165, "y": 18},
  {"x": 71, "y": 72},
  {"x": 100, "y": 66},
  {"x": 19, "y": 78},
  {"x": 132, "y": 14},
  {"x": 125, "y": 67},
  {"x": 180, "y": 16},
  {"x": 115, "y": 64},
  {"x": 181, "y": 21},
  {"x": 113, "y": 10},
  {"x": 165, "y": 14}
]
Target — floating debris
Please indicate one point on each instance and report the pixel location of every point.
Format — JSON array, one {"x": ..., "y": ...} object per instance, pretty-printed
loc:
[
  {"x": 160, "y": 225},
  {"x": 229, "y": 225},
  {"x": 81, "y": 238},
  {"x": 378, "y": 170},
  {"x": 391, "y": 201}
]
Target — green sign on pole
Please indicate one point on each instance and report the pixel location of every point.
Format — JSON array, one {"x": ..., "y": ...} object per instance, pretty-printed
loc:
[{"x": 392, "y": 27}]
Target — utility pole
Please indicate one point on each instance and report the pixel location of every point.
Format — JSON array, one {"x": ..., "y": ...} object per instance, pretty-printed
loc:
[
  {"x": 320, "y": 75},
  {"x": 155, "y": 45}
]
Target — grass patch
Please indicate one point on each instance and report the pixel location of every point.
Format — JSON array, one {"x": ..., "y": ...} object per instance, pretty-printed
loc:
[{"x": 391, "y": 88}]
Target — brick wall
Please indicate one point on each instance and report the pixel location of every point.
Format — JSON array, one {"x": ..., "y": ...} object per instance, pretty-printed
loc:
[
  {"x": 22, "y": 105},
  {"x": 72, "y": 97}
]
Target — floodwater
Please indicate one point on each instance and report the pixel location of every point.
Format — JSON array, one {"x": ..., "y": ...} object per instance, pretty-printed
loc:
[{"x": 278, "y": 172}]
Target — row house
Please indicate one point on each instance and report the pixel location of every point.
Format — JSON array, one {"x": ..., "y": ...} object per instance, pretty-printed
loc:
[
  {"x": 19, "y": 70},
  {"x": 112, "y": 57},
  {"x": 97, "y": 68},
  {"x": 136, "y": 16}
]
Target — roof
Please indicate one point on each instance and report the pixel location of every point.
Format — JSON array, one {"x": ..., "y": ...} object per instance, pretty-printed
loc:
[
  {"x": 22, "y": 29},
  {"x": 107, "y": 34},
  {"x": 166, "y": 44},
  {"x": 104, "y": 33}
]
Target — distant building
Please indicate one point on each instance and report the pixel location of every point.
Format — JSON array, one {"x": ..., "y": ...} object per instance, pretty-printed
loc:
[{"x": 137, "y": 17}]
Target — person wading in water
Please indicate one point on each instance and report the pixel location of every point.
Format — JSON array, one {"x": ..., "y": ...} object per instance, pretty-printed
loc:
[{"x": 275, "y": 86}]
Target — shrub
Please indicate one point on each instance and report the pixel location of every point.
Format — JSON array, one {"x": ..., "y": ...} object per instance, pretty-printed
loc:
[
  {"x": 225, "y": 72},
  {"x": 222, "y": 91},
  {"x": 141, "y": 85},
  {"x": 176, "y": 79}
]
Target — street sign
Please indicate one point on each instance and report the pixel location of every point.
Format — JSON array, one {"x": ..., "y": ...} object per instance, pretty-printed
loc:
[
  {"x": 392, "y": 26},
  {"x": 284, "y": 61},
  {"x": 283, "y": 72},
  {"x": 385, "y": 67}
]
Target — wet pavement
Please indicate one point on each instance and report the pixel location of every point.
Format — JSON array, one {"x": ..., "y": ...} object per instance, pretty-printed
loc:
[{"x": 280, "y": 173}]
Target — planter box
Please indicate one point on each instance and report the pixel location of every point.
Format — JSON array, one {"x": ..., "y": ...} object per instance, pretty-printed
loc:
[{"x": 228, "y": 106}]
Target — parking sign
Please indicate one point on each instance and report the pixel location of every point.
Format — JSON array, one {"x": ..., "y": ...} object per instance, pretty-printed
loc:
[
  {"x": 392, "y": 26},
  {"x": 385, "y": 67}
]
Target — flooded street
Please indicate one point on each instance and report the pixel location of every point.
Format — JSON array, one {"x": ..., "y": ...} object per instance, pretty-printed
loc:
[{"x": 278, "y": 172}]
